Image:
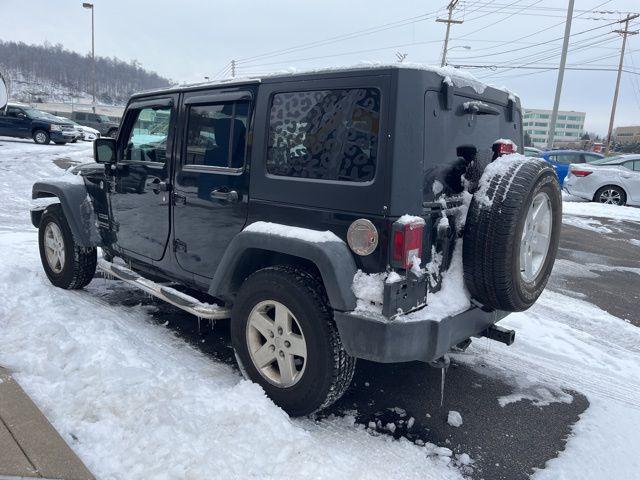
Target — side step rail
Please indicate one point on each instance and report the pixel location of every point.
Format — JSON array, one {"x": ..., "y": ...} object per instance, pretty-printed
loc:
[{"x": 170, "y": 295}]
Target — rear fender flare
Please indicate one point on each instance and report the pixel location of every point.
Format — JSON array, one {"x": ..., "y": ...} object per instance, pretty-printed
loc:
[{"x": 333, "y": 260}]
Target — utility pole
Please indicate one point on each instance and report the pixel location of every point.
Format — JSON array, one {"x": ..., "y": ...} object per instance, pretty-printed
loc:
[
  {"x": 448, "y": 21},
  {"x": 563, "y": 61},
  {"x": 93, "y": 56},
  {"x": 233, "y": 68},
  {"x": 624, "y": 34}
]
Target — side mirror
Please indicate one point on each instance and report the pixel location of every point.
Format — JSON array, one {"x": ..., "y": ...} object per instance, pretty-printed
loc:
[
  {"x": 104, "y": 150},
  {"x": 21, "y": 115}
]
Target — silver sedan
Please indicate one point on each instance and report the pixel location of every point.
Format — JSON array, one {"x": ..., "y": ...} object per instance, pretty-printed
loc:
[{"x": 614, "y": 180}]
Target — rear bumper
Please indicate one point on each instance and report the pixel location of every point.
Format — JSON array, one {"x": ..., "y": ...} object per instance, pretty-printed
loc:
[{"x": 389, "y": 341}]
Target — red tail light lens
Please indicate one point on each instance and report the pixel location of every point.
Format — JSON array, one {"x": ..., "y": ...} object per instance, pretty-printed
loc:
[
  {"x": 505, "y": 148},
  {"x": 406, "y": 243},
  {"x": 581, "y": 173}
]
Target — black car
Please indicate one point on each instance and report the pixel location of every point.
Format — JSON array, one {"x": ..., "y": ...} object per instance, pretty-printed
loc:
[
  {"x": 330, "y": 215},
  {"x": 26, "y": 122},
  {"x": 103, "y": 123}
]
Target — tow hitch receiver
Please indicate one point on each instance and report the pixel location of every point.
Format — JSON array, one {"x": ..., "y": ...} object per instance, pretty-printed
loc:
[{"x": 499, "y": 334}]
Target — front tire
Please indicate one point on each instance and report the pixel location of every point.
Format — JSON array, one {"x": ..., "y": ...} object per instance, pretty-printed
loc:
[
  {"x": 66, "y": 264},
  {"x": 285, "y": 340},
  {"x": 41, "y": 137},
  {"x": 611, "y": 195}
]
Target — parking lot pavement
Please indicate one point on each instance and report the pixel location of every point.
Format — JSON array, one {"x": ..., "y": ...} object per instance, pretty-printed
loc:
[
  {"x": 29, "y": 446},
  {"x": 505, "y": 442},
  {"x": 600, "y": 263}
]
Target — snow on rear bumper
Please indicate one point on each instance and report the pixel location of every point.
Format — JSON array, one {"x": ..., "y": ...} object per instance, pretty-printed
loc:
[{"x": 389, "y": 341}]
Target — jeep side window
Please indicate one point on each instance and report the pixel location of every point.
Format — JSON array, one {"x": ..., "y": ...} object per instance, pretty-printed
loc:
[
  {"x": 80, "y": 116},
  {"x": 325, "y": 134},
  {"x": 147, "y": 141},
  {"x": 217, "y": 134}
]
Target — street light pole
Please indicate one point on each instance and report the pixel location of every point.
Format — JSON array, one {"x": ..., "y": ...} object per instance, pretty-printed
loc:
[{"x": 93, "y": 56}]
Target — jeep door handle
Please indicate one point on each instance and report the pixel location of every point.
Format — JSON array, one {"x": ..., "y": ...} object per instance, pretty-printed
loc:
[
  {"x": 158, "y": 186},
  {"x": 229, "y": 196}
]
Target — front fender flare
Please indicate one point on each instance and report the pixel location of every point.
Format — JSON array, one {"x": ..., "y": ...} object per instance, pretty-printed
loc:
[
  {"x": 76, "y": 205},
  {"x": 332, "y": 258}
]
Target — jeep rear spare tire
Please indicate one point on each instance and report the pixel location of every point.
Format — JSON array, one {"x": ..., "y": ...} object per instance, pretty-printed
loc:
[
  {"x": 512, "y": 233},
  {"x": 285, "y": 340}
]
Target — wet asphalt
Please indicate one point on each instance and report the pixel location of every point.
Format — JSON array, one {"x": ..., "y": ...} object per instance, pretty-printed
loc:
[{"x": 508, "y": 442}]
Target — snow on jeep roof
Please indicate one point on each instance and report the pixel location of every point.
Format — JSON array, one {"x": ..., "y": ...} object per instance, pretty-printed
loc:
[{"x": 453, "y": 76}]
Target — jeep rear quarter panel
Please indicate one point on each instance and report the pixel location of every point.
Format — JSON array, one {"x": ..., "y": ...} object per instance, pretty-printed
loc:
[{"x": 321, "y": 204}]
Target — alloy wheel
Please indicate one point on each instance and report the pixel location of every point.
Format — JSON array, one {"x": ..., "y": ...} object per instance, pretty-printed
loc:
[
  {"x": 611, "y": 196},
  {"x": 276, "y": 343},
  {"x": 536, "y": 237},
  {"x": 54, "y": 247}
]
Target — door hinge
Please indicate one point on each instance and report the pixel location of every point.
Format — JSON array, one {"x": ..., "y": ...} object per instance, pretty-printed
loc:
[{"x": 179, "y": 246}]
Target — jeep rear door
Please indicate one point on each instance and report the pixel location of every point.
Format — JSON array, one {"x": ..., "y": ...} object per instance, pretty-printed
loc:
[
  {"x": 140, "y": 181},
  {"x": 211, "y": 182}
]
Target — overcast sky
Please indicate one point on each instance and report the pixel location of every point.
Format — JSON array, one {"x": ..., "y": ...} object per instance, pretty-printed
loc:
[{"x": 187, "y": 40}]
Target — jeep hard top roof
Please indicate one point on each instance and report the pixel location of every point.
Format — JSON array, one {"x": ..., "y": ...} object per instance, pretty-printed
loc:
[{"x": 456, "y": 77}]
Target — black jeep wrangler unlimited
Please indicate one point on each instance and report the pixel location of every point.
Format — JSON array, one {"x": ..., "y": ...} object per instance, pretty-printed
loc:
[{"x": 361, "y": 213}]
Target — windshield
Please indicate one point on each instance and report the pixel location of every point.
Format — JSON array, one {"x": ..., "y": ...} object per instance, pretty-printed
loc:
[
  {"x": 609, "y": 160},
  {"x": 33, "y": 113}
]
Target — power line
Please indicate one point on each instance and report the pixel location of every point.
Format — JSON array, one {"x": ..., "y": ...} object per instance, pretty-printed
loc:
[
  {"x": 472, "y": 57},
  {"x": 540, "y": 31},
  {"x": 346, "y": 36},
  {"x": 352, "y": 52}
]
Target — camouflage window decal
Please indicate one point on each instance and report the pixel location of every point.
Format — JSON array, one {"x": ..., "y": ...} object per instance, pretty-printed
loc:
[{"x": 325, "y": 135}]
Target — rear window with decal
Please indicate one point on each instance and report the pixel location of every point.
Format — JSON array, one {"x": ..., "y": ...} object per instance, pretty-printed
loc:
[{"x": 325, "y": 134}]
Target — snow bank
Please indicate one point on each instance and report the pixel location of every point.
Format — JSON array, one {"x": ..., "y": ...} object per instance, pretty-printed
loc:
[
  {"x": 601, "y": 210},
  {"x": 111, "y": 381},
  {"x": 306, "y": 234}
]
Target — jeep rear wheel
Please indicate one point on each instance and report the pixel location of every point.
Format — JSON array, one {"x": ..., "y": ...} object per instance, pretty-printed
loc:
[
  {"x": 285, "y": 340},
  {"x": 510, "y": 242},
  {"x": 66, "y": 264}
]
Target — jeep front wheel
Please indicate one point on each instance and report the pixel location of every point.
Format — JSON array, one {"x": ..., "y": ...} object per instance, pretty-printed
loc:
[
  {"x": 285, "y": 340},
  {"x": 66, "y": 264}
]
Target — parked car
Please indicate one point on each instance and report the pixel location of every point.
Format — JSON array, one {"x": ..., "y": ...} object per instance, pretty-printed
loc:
[
  {"x": 319, "y": 212},
  {"x": 532, "y": 152},
  {"x": 86, "y": 133},
  {"x": 561, "y": 159},
  {"x": 98, "y": 121},
  {"x": 614, "y": 180},
  {"x": 22, "y": 121}
]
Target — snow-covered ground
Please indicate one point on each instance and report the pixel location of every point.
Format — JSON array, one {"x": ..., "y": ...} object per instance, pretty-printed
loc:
[{"x": 135, "y": 401}]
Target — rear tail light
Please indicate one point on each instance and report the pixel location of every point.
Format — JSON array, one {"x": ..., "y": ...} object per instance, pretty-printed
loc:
[
  {"x": 580, "y": 173},
  {"x": 503, "y": 147},
  {"x": 406, "y": 242}
]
